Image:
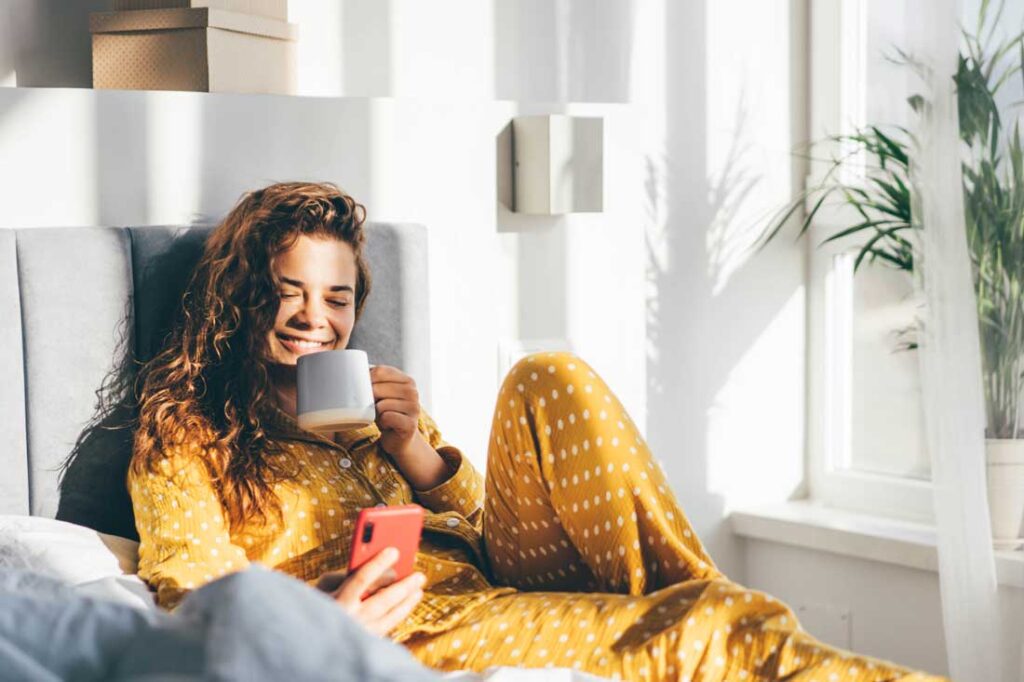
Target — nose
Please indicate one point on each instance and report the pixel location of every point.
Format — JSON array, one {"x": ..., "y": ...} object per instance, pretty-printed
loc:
[{"x": 313, "y": 314}]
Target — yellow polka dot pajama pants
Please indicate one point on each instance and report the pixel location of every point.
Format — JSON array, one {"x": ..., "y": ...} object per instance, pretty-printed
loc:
[{"x": 612, "y": 579}]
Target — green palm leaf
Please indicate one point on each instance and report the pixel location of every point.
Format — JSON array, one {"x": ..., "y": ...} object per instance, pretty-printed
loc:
[{"x": 993, "y": 185}]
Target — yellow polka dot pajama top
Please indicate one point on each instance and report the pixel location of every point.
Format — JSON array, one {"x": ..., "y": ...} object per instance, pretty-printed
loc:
[{"x": 572, "y": 553}]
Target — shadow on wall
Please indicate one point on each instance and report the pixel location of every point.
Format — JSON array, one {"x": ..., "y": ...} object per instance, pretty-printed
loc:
[
  {"x": 710, "y": 300},
  {"x": 679, "y": 207},
  {"x": 46, "y": 43},
  {"x": 729, "y": 241}
]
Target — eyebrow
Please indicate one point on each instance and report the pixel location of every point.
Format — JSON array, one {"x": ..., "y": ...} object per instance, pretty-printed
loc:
[{"x": 336, "y": 287}]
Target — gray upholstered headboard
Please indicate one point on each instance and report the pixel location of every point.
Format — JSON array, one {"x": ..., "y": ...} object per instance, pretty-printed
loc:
[{"x": 67, "y": 293}]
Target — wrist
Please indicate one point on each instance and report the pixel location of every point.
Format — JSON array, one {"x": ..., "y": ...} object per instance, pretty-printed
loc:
[
  {"x": 421, "y": 464},
  {"x": 415, "y": 449}
]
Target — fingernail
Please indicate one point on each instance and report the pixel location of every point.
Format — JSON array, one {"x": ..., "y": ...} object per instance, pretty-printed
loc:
[
  {"x": 421, "y": 578},
  {"x": 391, "y": 553}
]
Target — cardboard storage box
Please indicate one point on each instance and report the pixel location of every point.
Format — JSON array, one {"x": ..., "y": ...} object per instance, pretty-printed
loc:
[
  {"x": 201, "y": 49},
  {"x": 275, "y": 9}
]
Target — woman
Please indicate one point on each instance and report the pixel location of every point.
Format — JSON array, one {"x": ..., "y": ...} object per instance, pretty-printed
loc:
[{"x": 577, "y": 555}]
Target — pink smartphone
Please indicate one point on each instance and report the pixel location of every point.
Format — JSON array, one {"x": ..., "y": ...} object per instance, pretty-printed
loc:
[{"x": 399, "y": 526}]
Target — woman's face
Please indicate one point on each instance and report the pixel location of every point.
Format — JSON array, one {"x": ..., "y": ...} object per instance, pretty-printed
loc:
[{"x": 317, "y": 289}]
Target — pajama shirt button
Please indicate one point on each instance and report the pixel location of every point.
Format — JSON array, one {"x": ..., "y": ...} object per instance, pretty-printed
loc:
[
  {"x": 452, "y": 522},
  {"x": 345, "y": 462}
]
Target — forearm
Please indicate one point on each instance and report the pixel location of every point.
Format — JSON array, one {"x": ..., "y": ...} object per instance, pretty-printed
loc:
[{"x": 422, "y": 466}]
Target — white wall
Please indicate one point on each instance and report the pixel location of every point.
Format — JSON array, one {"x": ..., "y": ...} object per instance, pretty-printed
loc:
[{"x": 893, "y": 612}]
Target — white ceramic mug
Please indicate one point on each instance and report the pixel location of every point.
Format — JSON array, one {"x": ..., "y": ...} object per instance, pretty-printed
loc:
[{"x": 335, "y": 391}]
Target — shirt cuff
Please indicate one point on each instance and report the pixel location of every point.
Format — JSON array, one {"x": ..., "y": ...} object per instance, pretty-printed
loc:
[{"x": 462, "y": 492}]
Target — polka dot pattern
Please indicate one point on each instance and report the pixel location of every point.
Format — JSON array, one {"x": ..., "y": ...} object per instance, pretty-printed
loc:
[
  {"x": 572, "y": 552},
  {"x": 185, "y": 541},
  {"x": 610, "y": 576}
]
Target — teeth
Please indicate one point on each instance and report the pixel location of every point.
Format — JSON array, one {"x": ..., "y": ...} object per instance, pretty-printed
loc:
[{"x": 304, "y": 344}]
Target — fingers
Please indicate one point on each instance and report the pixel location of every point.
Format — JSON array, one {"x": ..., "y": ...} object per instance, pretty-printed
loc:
[
  {"x": 332, "y": 581},
  {"x": 405, "y": 390},
  {"x": 398, "y": 614},
  {"x": 383, "y": 375},
  {"x": 396, "y": 421},
  {"x": 383, "y": 601},
  {"x": 386, "y": 578},
  {"x": 385, "y": 607},
  {"x": 402, "y": 406},
  {"x": 363, "y": 579},
  {"x": 387, "y": 373}
]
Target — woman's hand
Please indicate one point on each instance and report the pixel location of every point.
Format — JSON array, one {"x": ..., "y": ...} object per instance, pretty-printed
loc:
[
  {"x": 398, "y": 414},
  {"x": 398, "y": 409},
  {"x": 371, "y": 595}
]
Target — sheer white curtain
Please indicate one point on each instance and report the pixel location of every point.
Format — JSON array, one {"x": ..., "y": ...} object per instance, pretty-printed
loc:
[{"x": 951, "y": 359}]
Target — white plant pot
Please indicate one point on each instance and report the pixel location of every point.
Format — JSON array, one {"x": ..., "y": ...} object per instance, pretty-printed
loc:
[{"x": 1004, "y": 460}]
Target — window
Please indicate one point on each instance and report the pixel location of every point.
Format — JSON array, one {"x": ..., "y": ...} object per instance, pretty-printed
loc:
[{"x": 866, "y": 445}]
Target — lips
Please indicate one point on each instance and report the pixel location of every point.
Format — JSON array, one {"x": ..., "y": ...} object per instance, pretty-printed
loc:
[{"x": 298, "y": 344}]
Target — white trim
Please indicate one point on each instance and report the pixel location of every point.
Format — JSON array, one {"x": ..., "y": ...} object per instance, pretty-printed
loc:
[
  {"x": 838, "y": 86},
  {"x": 831, "y": 477},
  {"x": 864, "y": 536},
  {"x": 838, "y": 73},
  {"x": 838, "y": 314},
  {"x": 853, "y": 79}
]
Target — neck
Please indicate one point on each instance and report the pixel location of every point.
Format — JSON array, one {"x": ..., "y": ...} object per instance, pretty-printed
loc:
[{"x": 284, "y": 385}]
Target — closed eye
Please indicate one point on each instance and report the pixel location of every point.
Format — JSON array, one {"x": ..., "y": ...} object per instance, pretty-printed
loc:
[{"x": 334, "y": 302}]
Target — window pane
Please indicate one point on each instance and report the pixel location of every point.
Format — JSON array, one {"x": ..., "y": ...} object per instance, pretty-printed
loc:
[{"x": 886, "y": 428}]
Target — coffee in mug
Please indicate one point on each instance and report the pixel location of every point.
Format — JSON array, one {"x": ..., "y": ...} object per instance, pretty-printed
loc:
[{"x": 334, "y": 391}]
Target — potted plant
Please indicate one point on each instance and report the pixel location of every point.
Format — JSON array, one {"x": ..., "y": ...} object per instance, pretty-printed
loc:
[{"x": 993, "y": 185}]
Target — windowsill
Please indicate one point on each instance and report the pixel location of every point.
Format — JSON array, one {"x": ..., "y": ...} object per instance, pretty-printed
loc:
[{"x": 814, "y": 526}]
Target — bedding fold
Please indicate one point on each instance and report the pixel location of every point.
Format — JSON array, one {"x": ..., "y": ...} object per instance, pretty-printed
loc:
[{"x": 255, "y": 624}]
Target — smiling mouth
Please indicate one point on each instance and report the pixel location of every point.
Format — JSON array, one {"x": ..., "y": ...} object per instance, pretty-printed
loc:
[{"x": 302, "y": 343}]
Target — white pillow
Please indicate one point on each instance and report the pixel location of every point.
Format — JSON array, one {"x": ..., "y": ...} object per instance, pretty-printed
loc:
[
  {"x": 63, "y": 550},
  {"x": 94, "y": 563}
]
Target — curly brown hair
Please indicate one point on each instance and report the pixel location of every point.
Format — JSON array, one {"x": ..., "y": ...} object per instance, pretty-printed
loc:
[{"x": 208, "y": 385}]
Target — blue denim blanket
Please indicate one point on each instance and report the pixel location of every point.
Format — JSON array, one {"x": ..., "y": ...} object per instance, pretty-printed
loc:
[{"x": 253, "y": 625}]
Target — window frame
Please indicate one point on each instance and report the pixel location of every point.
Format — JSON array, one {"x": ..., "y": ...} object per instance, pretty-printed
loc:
[{"x": 837, "y": 104}]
